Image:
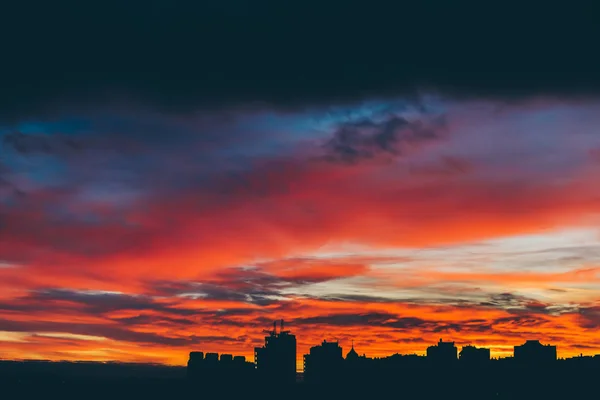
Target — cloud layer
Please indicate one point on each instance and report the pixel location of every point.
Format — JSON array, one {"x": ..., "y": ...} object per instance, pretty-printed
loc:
[{"x": 141, "y": 236}]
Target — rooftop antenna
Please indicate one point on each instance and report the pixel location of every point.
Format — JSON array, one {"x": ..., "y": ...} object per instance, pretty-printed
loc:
[
  {"x": 274, "y": 331},
  {"x": 282, "y": 331}
]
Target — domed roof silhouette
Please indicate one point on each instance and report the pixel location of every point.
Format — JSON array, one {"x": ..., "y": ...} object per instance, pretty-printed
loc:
[{"x": 352, "y": 354}]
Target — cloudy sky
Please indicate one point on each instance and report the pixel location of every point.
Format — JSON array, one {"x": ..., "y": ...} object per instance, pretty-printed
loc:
[{"x": 175, "y": 177}]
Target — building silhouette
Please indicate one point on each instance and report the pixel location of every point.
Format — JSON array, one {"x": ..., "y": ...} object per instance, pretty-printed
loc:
[
  {"x": 354, "y": 360},
  {"x": 211, "y": 360},
  {"x": 533, "y": 352},
  {"x": 210, "y": 369},
  {"x": 276, "y": 360},
  {"x": 352, "y": 355},
  {"x": 195, "y": 363},
  {"x": 442, "y": 353},
  {"x": 474, "y": 355},
  {"x": 226, "y": 359},
  {"x": 357, "y": 367},
  {"x": 324, "y": 363}
]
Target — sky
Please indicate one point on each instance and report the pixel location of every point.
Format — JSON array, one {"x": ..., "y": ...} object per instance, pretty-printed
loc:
[{"x": 388, "y": 183}]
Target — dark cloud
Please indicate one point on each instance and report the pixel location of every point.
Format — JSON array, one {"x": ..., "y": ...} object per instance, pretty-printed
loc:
[
  {"x": 238, "y": 285},
  {"x": 385, "y": 320},
  {"x": 147, "y": 312},
  {"x": 584, "y": 346},
  {"x": 521, "y": 321},
  {"x": 94, "y": 303},
  {"x": 154, "y": 320},
  {"x": 246, "y": 285},
  {"x": 254, "y": 295},
  {"x": 503, "y": 301},
  {"x": 557, "y": 290},
  {"x": 368, "y": 139},
  {"x": 506, "y": 300},
  {"x": 355, "y": 298},
  {"x": 67, "y": 146},
  {"x": 368, "y": 319},
  {"x": 212, "y": 338},
  {"x": 590, "y": 317},
  {"x": 29, "y": 143},
  {"x": 522, "y": 304},
  {"x": 180, "y": 55},
  {"x": 403, "y": 340},
  {"x": 107, "y": 331}
]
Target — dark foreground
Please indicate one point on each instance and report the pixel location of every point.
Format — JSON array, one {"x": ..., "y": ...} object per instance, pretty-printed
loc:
[
  {"x": 44, "y": 380},
  {"x": 431, "y": 388}
]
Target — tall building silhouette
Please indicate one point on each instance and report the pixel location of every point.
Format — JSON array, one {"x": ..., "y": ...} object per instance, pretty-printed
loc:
[
  {"x": 324, "y": 363},
  {"x": 474, "y": 355},
  {"x": 533, "y": 352},
  {"x": 442, "y": 353},
  {"x": 276, "y": 360}
]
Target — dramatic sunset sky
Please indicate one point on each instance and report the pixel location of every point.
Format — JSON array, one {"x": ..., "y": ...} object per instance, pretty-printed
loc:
[{"x": 169, "y": 184}]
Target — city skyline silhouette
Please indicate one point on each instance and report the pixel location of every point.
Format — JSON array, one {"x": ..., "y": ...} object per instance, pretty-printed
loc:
[
  {"x": 328, "y": 370},
  {"x": 532, "y": 351},
  {"x": 445, "y": 349}
]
